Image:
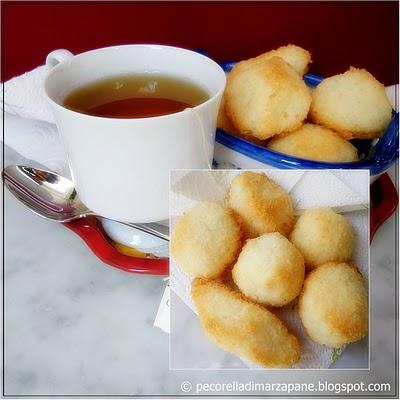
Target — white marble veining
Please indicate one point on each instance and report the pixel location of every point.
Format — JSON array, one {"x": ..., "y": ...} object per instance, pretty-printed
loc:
[{"x": 76, "y": 326}]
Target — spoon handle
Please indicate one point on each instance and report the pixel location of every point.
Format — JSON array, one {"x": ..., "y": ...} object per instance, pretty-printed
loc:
[
  {"x": 155, "y": 229},
  {"x": 54, "y": 197}
]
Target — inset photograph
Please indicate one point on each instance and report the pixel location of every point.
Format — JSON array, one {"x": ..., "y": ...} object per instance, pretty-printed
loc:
[{"x": 269, "y": 269}]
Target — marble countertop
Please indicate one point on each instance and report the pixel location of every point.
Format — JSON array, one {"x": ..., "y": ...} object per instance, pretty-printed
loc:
[{"x": 74, "y": 326}]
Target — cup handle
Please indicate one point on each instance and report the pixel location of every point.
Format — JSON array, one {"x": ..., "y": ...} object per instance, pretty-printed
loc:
[{"x": 58, "y": 56}]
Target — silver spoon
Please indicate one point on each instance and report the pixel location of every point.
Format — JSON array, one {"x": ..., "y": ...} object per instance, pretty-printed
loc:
[{"x": 54, "y": 197}]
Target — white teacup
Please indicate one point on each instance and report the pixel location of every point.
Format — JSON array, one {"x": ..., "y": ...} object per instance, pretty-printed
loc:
[{"x": 120, "y": 167}]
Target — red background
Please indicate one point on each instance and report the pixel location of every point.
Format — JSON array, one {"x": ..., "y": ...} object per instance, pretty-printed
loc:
[{"x": 363, "y": 34}]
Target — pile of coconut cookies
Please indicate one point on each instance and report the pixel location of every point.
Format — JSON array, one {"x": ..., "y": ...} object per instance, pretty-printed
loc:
[
  {"x": 249, "y": 256},
  {"x": 267, "y": 102}
]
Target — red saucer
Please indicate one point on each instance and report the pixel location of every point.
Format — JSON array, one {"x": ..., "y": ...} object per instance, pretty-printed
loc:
[
  {"x": 90, "y": 230},
  {"x": 384, "y": 200}
]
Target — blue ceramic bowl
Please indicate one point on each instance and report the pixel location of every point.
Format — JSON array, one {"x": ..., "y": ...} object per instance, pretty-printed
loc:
[{"x": 375, "y": 155}]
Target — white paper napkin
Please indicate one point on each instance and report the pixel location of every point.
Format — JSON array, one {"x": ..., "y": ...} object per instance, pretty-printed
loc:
[
  {"x": 308, "y": 189},
  {"x": 24, "y": 96},
  {"x": 29, "y": 126}
]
